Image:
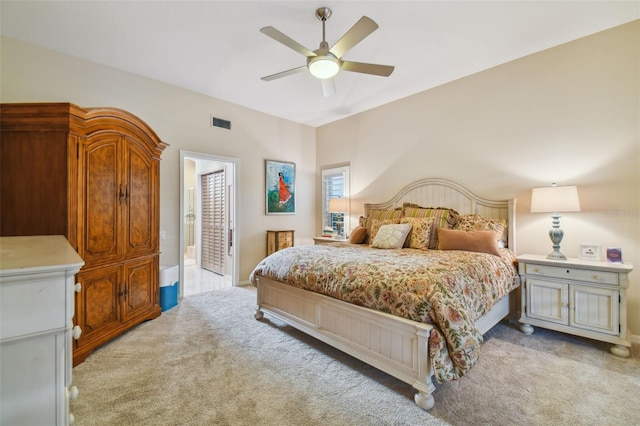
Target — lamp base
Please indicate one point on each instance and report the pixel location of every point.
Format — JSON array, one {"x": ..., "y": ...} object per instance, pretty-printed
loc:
[
  {"x": 556, "y": 255},
  {"x": 556, "y": 234}
]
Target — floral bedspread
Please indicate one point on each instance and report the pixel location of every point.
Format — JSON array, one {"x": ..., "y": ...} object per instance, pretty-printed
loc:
[{"x": 449, "y": 289}]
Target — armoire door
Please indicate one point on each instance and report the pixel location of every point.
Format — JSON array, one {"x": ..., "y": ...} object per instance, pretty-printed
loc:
[
  {"x": 213, "y": 221},
  {"x": 98, "y": 310},
  {"x": 139, "y": 288},
  {"x": 139, "y": 200},
  {"x": 102, "y": 197}
]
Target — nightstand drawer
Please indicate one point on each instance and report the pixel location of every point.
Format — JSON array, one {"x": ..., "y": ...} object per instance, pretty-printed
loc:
[{"x": 573, "y": 274}]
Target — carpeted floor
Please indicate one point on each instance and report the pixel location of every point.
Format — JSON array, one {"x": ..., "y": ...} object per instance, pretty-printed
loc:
[{"x": 209, "y": 362}]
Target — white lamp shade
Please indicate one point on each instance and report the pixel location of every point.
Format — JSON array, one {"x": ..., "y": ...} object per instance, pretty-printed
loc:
[
  {"x": 339, "y": 205},
  {"x": 555, "y": 199}
]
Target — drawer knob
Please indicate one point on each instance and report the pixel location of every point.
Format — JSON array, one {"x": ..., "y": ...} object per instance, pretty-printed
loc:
[
  {"x": 72, "y": 393},
  {"x": 77, "y": 331},
  {"x": 77, "y": 288}
]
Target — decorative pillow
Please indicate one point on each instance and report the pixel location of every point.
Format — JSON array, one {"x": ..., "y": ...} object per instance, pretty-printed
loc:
[
  {"x": 442, "y": 218},
  {"x": 377, "y": 214},
  {"x": 474, "y": 222},
  {"x": 478, "y": 241},
  {"x": 376, "y": 224},
  {"x": 391, "y": 236},
  {"x": 358, "y": 235},
  {"x": 418, "y": 237}
]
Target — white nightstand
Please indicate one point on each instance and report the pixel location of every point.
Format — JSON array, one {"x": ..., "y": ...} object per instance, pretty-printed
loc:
[
  {"x": 575, "y": 296},
  {"x": 329, "y": 240}
]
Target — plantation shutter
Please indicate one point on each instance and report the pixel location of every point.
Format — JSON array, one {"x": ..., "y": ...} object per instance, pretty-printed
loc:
[{"x": 335, "y": 184}]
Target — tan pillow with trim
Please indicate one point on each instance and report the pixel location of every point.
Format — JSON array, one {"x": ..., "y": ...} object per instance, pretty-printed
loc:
[
  {"x": 478, "y": 241},
  {"x": 474, "y": 222},
  {"x": 420, "y": 233},
  {"x": 358, "y": 235}
]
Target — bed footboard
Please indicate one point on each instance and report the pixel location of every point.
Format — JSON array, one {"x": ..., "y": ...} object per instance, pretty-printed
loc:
[{"x": 392, "y": 344}]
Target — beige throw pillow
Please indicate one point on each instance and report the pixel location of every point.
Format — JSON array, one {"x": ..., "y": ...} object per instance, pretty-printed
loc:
[
  {"x": 391, "y": 236},
  {"x": 375, "y": 226}
]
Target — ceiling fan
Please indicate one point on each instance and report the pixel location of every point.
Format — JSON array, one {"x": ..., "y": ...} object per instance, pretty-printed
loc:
[{"x": 324, "y": 63}]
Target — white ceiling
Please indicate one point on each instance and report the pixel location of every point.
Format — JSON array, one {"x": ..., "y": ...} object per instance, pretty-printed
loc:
[{"x": 215, "y": 47}]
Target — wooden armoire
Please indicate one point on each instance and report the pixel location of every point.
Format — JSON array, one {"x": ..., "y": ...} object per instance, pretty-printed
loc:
[{"x": 92, "y": 175}]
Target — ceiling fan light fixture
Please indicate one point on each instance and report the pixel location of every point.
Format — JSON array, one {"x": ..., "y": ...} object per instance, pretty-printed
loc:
[
  {"x": 325, "y": 62},
  {"x": 323, "y": 67}
]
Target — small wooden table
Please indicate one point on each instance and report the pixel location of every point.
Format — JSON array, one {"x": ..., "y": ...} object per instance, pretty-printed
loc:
[{"x": 278, "y": 240}]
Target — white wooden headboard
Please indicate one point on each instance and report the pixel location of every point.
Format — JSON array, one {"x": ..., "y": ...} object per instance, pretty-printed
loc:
[{"x": 437, "y": 192}]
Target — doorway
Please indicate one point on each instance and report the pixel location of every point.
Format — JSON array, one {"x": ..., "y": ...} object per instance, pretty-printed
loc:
[
  {"x": 209, "y": 251},
  {"x": 214, "y": 244}
]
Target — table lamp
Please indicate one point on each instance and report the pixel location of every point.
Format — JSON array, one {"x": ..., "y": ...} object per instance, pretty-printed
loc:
[
  {"x": 339, "y": 205},
  {"x": 554, "y": 199}
]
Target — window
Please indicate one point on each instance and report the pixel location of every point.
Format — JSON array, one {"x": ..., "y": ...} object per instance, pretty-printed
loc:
[{"x": 335, "y": 184}]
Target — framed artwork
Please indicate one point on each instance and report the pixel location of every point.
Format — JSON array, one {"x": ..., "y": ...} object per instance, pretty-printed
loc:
[
  {"x": 590, "y": 251},
  {"x": 280, "y": 182}
]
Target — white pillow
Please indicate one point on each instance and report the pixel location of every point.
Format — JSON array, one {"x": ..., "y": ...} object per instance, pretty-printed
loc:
[{"x": 391, "y": 236}]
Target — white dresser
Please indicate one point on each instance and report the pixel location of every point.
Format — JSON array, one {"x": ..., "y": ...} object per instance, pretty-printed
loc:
[
  {"x": 575, "y": 296},
  {"x": 36, "y": 330}
]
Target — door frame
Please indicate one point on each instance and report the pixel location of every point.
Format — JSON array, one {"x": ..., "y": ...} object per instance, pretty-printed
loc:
[{"x": 235, "y": 248}]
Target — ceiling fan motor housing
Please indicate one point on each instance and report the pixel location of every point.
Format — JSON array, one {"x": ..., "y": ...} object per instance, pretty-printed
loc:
[{"x": 323, "y": 13}]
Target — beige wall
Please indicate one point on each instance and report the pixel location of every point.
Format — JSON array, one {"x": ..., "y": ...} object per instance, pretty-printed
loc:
[
  {"x": 569, "y": 115},
  {"x": 180, "y": 118}
]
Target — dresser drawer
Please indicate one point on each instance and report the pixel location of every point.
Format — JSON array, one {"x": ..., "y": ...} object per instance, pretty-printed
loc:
[
  {"x": 278, "y": 240},
  {"x": 574, "y": 274},
  {"x": 34, "y": 306},
  {"x": 285, "y": 241}
]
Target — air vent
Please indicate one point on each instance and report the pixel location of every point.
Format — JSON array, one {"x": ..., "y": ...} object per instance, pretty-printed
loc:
[{"x": 219, "y": 122}]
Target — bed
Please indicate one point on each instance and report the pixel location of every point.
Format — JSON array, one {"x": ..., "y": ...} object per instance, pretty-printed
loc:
[{"x": 426, "y": 307}]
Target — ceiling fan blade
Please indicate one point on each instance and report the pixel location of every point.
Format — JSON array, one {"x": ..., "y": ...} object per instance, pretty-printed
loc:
[
  {"x": 284, "y": 73},
  {"x": 286, "y": 40},
  {"x": 328, "y": 87},
  {"x": 355, "y": 35},
  {"x": 375, "y": 69}
]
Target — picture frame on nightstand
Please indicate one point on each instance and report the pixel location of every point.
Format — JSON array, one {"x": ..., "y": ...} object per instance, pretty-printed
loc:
[
  {"x": 590, "y": 251},
  {"x": 614, "y": 254}
]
